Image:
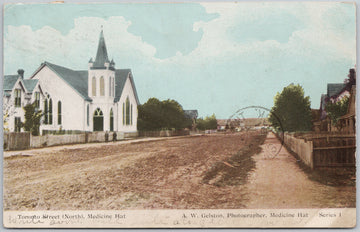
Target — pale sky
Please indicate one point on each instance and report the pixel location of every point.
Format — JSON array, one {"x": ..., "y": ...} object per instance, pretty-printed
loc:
[{"x": 213, "y": 57}]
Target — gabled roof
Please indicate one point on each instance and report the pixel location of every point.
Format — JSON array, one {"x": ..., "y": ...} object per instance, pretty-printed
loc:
[
  {"x": 78, "y": 80},
  {"x": 101, "y": 55},
  {"x": 120, "y": 80},
  {"x": 9, "y": 81},
  {"x": 334, "y": 88},
  {"x": 30, "y": 84}
]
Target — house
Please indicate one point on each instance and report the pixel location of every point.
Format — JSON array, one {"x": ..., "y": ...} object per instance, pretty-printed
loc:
[
  {"x": 335, "y": 93},
  {"x": 101, "y": 98}
]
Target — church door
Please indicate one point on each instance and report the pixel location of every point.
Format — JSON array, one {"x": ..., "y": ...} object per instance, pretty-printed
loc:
[{"x": 98, "y": 120}]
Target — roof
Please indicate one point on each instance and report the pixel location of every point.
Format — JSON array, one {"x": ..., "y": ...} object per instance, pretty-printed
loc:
[
  {"x": 334, "y": 88},
  {"x": 76, "y": 79},
  {"x": 191, "y": 113},
  {"x": 101, "y": 55},
  {"x": 30, "y": 84},
  {"x": 120, "y": 79},
  {"x": 9, "y": 81}
]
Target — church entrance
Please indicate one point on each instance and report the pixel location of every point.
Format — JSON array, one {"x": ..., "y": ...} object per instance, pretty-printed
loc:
[{"x": 98, "y": 120}]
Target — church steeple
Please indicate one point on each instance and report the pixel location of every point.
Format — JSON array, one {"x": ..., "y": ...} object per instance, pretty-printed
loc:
[{"x": 101, "y": 55}]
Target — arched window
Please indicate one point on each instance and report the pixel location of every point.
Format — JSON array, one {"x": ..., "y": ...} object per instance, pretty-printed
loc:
[
  {"x": 111, "y": 120},
  {"x": 59, "y": 113},
  {"x": 110, "y": 86},
  {"x": 93, "y": 86},
  {"x": 131, "y": 115},
  {"x": 98, "y": 120},
  {"x": 127, "y": 106},
  {"x": 102, "y": 86},
  {"x": 123, "y": 113},
  {"x": 87, "y": 115},
  {"x": 48, "y": 110}
]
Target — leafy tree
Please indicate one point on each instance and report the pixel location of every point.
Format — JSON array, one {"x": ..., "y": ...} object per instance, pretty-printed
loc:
[
  {"x": 158, "y": 115},
  {"x": 291, "y": 110},
  {"x": 32, "y": 119},
  {"x": 336, "y": 110},
  {"x": 209, "y": 123}
]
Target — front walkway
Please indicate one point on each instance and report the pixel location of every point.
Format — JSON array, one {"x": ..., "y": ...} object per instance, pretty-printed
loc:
[{"x": 278, "y": 182}]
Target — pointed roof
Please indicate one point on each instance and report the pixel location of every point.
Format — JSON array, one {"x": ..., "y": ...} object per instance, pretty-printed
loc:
[
  {"x": 9, "y": 81},
  {"x": 30, "y": 84},
  {"x": 101, "y": 55}
]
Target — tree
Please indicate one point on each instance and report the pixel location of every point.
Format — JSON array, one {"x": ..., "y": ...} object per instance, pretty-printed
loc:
[
  {"x": 291, "y": 110},
  {"x": 209, "y": 123},
  {"x": 159, "y": 115},
  {"x": 32, "y": 119},
  {"x": 336, "y": 110}
]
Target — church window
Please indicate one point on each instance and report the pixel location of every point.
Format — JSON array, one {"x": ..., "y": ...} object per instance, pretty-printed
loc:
[
  {"x": 110, "y": 84},
  {"x": 37, "y": 100},
  {"x": 46, "y": 108},
  {"x": 94, "y": 86},
  {"x": 123, "y": 111},
  {"x": 87, "y": 115},
  {"x": 111, "y": 120},
  {"x": 131, "y": 115},
  {"x": 17, "y": 97},
  {"x": 50, "y": 112},
  {"x": 59, "y": 113},
  {"x": 127, "y": 106},
  {"x": 102, "y": 86}
]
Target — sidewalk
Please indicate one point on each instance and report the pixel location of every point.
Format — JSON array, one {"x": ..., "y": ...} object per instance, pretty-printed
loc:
[
  {"x": 279, "y": 182},
  {"x": 36, "y": 151}
]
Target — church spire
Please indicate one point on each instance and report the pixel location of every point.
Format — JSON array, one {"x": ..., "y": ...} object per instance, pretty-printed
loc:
[{"x": 101, "y": 55}]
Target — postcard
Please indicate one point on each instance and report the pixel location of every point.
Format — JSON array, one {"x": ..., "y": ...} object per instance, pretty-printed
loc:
[{"x": 179, "y": 115}]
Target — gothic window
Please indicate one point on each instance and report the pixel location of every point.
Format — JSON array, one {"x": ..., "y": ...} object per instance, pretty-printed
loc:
[
  {"x": 102, "y": 86},
  {"x": 123, "y": 111},
  {"x": 131, "y": 115},
  {"x": 17, "y": 97},
  {"x": 37, "y": 100},
  {"x": 87, "y": 115},
  {"x": 110, "y": 84},
  {"x": 48, "y": 111},
  {"x": 127, "y": 106},
  {"x": 111, "y": 120},
  {"x": 59, "y": 113},
  {"x": 93, "y": 86}
]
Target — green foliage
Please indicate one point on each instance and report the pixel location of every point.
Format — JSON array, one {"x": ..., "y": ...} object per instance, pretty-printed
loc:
[
  {"x": 209, "y": 123},
  {"x": 32, "y": 119},
  {"x": 337, "y": 109},
  {"x": 161, "y": 115},
  {"x": 291, "y": 110}
]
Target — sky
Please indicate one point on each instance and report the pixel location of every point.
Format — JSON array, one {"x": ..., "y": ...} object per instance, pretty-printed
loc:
[{"x": 213, "y": 57}]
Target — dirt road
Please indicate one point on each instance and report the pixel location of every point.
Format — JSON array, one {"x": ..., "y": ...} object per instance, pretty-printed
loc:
[
  {"x": 184, "y": 173},
  {"x": 280, "y": 183}
]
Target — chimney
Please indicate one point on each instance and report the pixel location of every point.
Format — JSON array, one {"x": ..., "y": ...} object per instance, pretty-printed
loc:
[{"x": 21, "y": 73}]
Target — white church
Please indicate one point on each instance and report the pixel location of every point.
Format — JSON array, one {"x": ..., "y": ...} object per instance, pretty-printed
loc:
[{"x": 100, "y": 98}]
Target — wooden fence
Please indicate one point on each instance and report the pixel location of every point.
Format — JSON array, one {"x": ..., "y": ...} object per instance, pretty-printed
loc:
[
  {"x": 334, "y": 151},
  {"x": 328, "y": 150}
]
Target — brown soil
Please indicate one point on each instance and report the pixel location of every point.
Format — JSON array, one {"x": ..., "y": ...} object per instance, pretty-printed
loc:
[{"x": 185, "y": 173}]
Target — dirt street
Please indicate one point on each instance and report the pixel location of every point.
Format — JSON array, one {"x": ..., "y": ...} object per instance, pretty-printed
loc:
[{"x": 210, "y": 171}]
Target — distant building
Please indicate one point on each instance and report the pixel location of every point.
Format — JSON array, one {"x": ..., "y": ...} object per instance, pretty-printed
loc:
[
  {"x": 336, "y": 92},
  {"x": 101, "y": 98},
  {"x": 192, "y": 114}
]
